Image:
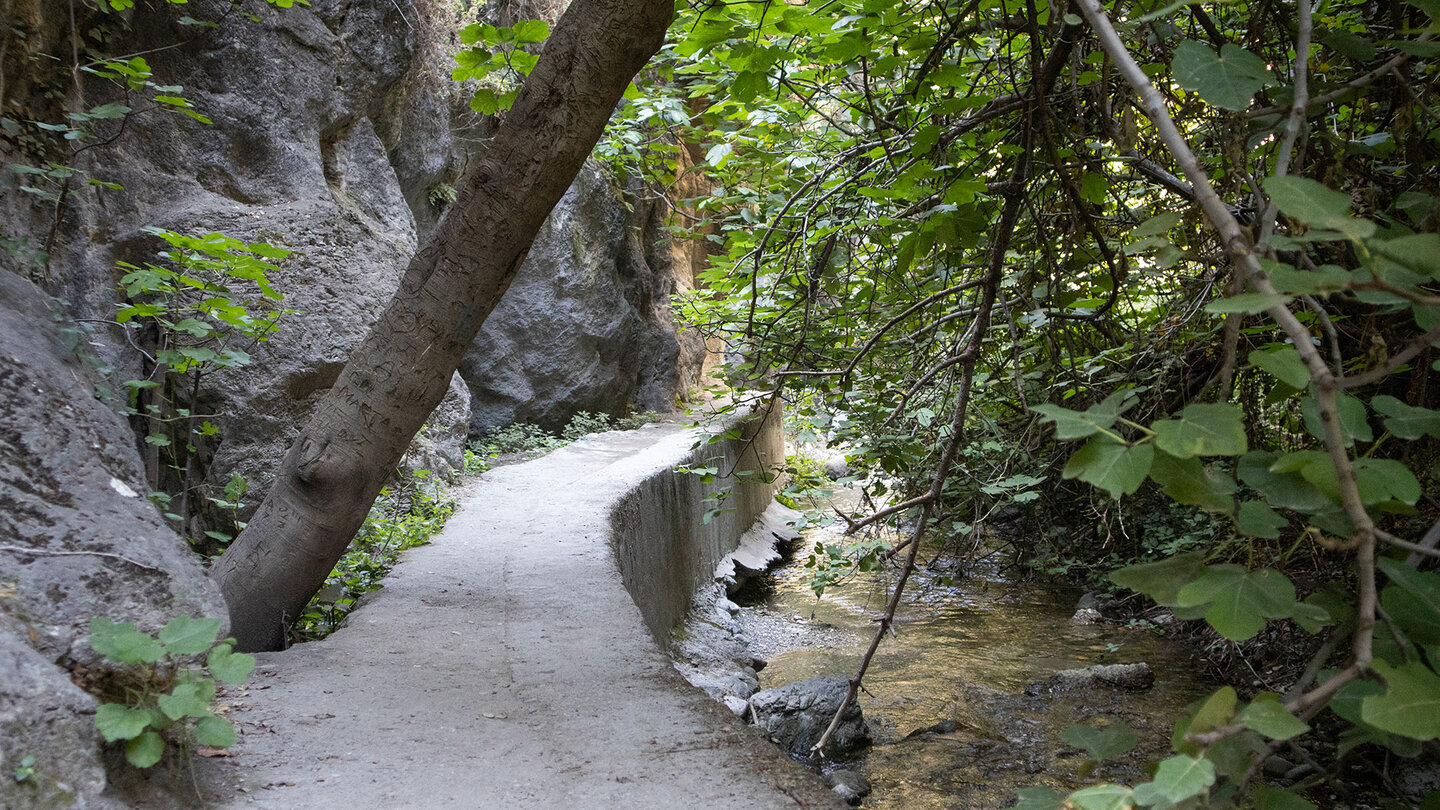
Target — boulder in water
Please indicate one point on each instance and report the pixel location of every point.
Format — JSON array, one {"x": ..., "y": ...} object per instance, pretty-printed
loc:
[
  {"x": 1129, "y": 677},
  {"x": 795, "y": 715}
]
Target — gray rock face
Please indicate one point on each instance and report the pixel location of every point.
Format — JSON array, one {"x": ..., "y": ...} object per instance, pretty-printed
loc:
[
  {"x": 77, "y": 540},
  {"x": 795, "y": 715},
  {"x": 47, "y": 721},
  {"x": 77, "y": 537},
  {"x": 587, "y": 324},
  {"x": 333, "y": 125},
  {"x": 711, "y": 654}
]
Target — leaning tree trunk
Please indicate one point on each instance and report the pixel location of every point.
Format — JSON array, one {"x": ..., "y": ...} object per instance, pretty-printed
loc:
[{"x": 336, "y": 467}]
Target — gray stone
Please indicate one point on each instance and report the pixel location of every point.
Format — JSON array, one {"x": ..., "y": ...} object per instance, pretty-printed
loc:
[
  {"x": 1087, "y": 616},
  {"x": 1129, "y": 677},
  {"x": 710, "y": 653},
  {"x": 78, "y": 539},
  {"x": 795, "y": 715},
  {"x": 332, "y": 125},
  {"x": 1088, "y": 601},
  {"x": 586, "y": 324},
  {"x": 848, "y": 785},
  {"x": 837, "y": 467},
  {"x": 737, "y": 705},
  {"x": 47, "y": 720}
]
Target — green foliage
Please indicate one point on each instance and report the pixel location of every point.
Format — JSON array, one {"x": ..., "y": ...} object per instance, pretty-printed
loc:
[
  {"x": 157, "y": 696},
  {"x": 202, "y": 308},
  {"x": 855, "y": 169},
  {"x": 519, "y": 438},
  {"x": 522, "y": 437},
  {"x": 807, "y": 486},
  {"x": 498, "y": 58},
  {"x": 1100, "y": 743},
  {"x": 1230, "y": 79},
  {"x": 441, "y": 194},
  {"x": 25, "y": 771},
  {"x": 402, "y": 517}
]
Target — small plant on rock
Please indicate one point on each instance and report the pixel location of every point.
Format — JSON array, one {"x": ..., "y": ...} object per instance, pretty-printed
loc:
[{"x": 160, "y": 698}]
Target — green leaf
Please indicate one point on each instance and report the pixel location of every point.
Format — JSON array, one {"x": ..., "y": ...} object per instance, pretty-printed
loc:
[
  {"x": 1255, "y": 519},
  {"x": 1412, "y": 600},
  {"x": 1311, "y": 617},
  {"x": 1161, "y": 580},
  {"x": 1405, "y": 421},
  {"x": 1246, "y": 303},
  {"x": 1269, "y": 717},
  {"x": 1203, "y": 430},
  {"x": 748, "y": 84},
  {"x": 1102, "y": 797},
  {"x": 1075, "y": 424},
  {"x": 183, "y": 701},
  {"x": 1410, "y": 705},
  {"x": 1100, "y": 743},
  {"x": 1227, "y": 80},
  {"x": 1233, "y": 754},
  {"x": 1177, "y": 779},
  {"x": 1284, "y": 364},
  {"x": 186, "y": 636},
  {"x": 1216, "y": 711},
  {"x": 216, "y": 732},
  {"x": 1285, "y": 490},
  {"x": 115, "y": 721},
  {"x": 485, "y": 102},
  {"x": 1380, "y": 479},
  {"x": 1039, "y": 798},
  {"x": 1350, "y": 698},
  {"x": 230, "y": 667},
  {"x": 1187, "y": 481},
  {"x": 1116, "y": 468},
  {"x": 1317, "y": 206},
  {"x": 1354, "y": 421},
  {"x": 109, "y": 111},
  {"x": 1273, "y": 798},
  {"x": 122, "y": 643},
  {"x": 718, "y": 154},
  {"x": 145, "y": 750},
  {"x": 531, "y": 30},
  {"x": 1239, "y": 601}
]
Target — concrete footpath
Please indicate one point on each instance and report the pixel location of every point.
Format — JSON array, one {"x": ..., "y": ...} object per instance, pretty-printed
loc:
[{"x": 504, "y": 666}]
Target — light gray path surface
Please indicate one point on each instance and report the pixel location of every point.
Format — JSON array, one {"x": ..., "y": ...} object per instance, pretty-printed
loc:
[{"x": 502, "y": 666}]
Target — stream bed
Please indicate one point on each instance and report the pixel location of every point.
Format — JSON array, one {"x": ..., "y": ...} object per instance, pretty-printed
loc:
[{"x": 954, "y": 700}]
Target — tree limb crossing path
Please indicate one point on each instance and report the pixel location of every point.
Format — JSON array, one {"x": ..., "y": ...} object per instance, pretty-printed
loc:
[{"x": 504, "y": 665}]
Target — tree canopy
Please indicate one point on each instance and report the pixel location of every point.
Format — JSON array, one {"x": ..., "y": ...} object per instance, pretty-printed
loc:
[{"x": 1184, "y": 253}]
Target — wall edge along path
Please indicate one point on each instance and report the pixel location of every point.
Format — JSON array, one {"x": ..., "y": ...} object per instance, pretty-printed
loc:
[{"x": 664, "y": 547}]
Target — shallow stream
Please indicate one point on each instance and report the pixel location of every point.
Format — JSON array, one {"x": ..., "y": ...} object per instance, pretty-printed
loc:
[{"x": 959, "y": 666}]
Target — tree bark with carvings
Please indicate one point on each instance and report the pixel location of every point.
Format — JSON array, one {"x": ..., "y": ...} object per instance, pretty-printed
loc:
[{"x": 337, "y": 466}]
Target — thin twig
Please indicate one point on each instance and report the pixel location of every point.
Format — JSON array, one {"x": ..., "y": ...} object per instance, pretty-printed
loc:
[{"x": 42, "y": 552}]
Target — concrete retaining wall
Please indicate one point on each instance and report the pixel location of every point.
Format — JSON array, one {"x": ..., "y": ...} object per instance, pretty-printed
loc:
[{"x": 665, "y": 548}]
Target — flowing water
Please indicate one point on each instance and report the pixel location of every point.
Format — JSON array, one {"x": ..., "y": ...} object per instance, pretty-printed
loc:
[{"x": 946, "y": 698}]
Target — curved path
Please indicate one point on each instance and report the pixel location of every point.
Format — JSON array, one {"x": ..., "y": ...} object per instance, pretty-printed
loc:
[{"x": 505, "y": 666}]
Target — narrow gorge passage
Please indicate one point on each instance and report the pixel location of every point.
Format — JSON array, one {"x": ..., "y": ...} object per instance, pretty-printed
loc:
[{"x": 504, "y": 665}]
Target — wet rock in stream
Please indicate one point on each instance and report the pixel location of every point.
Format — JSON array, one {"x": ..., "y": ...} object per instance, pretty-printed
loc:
[
  {"x": 795, "y": 715},
  {"x": 1135, "y": 677},
  {"x": 851, "y": 786}
]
